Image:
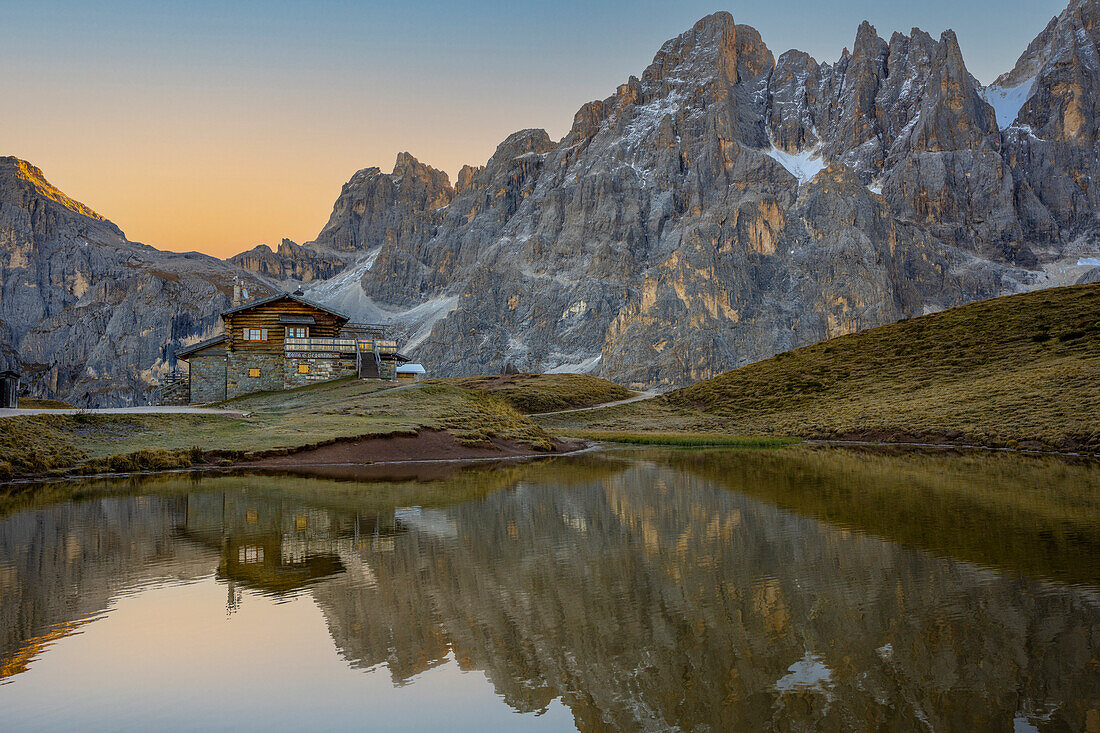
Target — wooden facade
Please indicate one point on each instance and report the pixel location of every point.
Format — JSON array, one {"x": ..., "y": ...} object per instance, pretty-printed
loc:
[{"x": 272, "y": 317}]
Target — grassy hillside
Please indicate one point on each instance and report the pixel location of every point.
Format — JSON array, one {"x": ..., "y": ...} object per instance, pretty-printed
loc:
[
  {"x": 532, "y": 393},
  {"x": 1018, "y": 370}
]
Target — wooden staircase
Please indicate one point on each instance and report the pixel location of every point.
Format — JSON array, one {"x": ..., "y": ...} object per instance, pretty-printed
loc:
[
  {"x": 174, "y": 391},
  {"x": 372, "y": 365}
]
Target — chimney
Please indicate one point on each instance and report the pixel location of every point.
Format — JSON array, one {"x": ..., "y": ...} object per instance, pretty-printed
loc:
[{"x": 236, "y": 292}]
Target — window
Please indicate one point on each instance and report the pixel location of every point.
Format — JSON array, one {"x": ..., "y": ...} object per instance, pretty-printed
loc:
[
  {"x": 255, "y": 334},
  {"x": 253, "y": 372},
  {"x": 303, "y": 368},
  {"x": 297, "y": 332}
]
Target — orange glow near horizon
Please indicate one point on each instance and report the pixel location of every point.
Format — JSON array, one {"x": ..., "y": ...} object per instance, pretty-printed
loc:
[{"x": 224, "y": 195}]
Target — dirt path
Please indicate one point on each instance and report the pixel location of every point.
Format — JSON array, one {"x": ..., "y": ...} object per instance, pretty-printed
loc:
[
  {"x": 603, "y": 406},
  {"x": 8, "y": 412}
]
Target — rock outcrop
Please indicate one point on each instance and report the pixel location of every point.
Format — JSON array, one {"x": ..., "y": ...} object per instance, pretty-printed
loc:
[
  {"x": 375, "y": 208},
  {"x": 89, "y": 316},
  {"x": 290, "y": 262}
]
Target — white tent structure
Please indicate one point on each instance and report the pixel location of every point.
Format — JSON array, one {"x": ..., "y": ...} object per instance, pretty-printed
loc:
[{"x": 411, "y": 372}]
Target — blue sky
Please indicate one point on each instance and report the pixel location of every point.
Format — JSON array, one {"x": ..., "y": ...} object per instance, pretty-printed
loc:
[{"x": 172, "y": 117}]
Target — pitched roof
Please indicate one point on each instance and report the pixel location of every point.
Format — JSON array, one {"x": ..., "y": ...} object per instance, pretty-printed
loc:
[
  {"x": 182, "y": 353},
  {"x": 280, "y": 296}
]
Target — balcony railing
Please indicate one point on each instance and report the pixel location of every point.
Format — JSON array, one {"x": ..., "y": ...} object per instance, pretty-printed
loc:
[
  {"x": 382, "y": 346},
  {"x": 339, "y": 346}
]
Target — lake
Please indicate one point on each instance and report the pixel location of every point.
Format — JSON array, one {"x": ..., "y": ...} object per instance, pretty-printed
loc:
[{"x": 649, "y": 589}]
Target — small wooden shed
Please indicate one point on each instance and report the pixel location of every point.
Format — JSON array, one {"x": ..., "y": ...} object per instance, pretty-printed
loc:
[{"x": 9, "y": 389}]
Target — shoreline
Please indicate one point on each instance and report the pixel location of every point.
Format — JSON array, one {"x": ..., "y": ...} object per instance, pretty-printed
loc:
[
  {"x": 423, "y": 448},
  {"x": 320, "y": 457}
]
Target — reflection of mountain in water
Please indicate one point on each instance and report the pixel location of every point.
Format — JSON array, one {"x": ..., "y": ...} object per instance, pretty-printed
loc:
[
  {"x": 645, "y": 598},
  {"x": 651, "y": 600},
  {"x": 63, "y": 564}
]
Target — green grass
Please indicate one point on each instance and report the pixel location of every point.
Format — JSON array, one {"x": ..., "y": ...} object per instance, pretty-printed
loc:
[
  {"x": 36, "y": 444},
  {"x": 1018, "y": 371},
  {"x": 30, "y": 403},
  {"x": 693, "y": 440},
  {"x": 534, "y": 393},
  {"x": 275, "y": 421}
]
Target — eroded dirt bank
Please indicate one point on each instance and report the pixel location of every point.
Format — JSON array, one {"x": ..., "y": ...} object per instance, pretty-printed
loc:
[{"x": 427, "y": 445}]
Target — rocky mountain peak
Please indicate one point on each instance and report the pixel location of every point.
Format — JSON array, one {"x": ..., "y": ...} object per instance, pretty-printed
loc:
[
  {"x": 373, "y": 206},
  {"x": 715, "y": 48},
  {"x": 1053, "y": 92},
  {"x": 706, "y": 195},
  {"x": 290, "y": 262},
  {"x": 869, "y": 46},
  {"x": 94, "y": 318},
  {"x": 714, "y": 35},
  {"x": 532, "y": 141},
  {"x": 19, "y": 175},
  {"x": 466, "y": 177},
  {"x": 407, "y": 169}
]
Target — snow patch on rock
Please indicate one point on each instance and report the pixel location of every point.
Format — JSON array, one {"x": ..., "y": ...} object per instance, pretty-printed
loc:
[
  {"x": 1008, "y": 101},
  {"x": 584, "y": 366},
  {"x": 648, "y": 117},
  {"x": 344, "y": 293},
  {"x": 803, "y": 166},
  {"x": 337, "y": 287}
]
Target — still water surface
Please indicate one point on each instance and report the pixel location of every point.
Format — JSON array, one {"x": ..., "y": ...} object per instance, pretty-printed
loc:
[{"x": 635, "y": 590}]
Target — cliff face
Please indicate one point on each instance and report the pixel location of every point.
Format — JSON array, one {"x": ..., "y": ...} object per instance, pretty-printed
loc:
[
  {"x": 89, "y": 316},
  {"x": 727, "y": 205},
  {"x": 290, "y": 262}
]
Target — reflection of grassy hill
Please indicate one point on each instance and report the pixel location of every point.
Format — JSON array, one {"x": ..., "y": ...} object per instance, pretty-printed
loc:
[
  {"x": 530, "y": 393},
  {"x": 366, "y": 495},
  {"x": 1027, "y": 514},
  {"x": 1019, "y": 369}
]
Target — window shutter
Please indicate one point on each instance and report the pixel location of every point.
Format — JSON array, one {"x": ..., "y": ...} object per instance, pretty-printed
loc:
[
  {"x": 263, "y": 334},
  {"x": 244, "y": 334}
]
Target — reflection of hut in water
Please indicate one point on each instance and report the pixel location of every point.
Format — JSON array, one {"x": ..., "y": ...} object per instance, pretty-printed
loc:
[
  {"x": 272, "y": 546},
  {"x": 260, "y": 563},
  {"x": 277, "y": 546},
  {"x": 9, "y": 389}
]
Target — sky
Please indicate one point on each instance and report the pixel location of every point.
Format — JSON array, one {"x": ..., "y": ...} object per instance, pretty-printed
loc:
[{"x": 218, "y": 125}]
